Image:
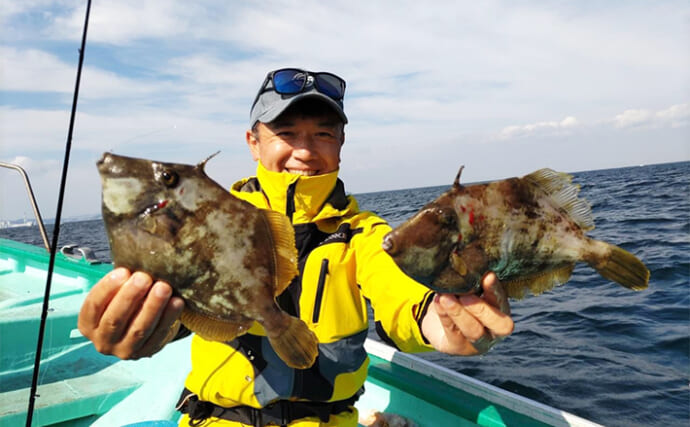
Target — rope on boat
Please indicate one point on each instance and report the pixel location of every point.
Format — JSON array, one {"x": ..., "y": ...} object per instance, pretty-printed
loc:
[{"x": 56, "y": 229}]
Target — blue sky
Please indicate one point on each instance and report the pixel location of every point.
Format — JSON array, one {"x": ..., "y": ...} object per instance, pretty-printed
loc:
[{"x": 503, "y": 87}]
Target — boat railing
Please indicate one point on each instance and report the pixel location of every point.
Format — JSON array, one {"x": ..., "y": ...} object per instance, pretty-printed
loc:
[
  {"x": 32, "y": 199},
  {"x": 79, "y": 253}
]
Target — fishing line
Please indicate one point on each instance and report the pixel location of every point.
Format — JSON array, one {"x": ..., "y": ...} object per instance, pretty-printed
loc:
[{"x": 56, "y": 228}]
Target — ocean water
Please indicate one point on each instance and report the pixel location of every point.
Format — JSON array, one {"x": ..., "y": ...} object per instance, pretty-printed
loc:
[{"x": 590, "y": 347}]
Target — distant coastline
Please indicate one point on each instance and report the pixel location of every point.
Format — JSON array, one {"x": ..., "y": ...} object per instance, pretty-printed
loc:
[{"x": 16, "y": 223}]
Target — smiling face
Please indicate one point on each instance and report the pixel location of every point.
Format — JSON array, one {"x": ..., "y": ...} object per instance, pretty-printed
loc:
[{"x": 304, "y": 141}]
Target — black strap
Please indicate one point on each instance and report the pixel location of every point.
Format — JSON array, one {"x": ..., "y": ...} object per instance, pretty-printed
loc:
[{"x": 282, "y": 412}]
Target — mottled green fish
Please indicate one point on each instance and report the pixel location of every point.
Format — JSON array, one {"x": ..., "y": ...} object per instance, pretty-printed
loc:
[
  {"x": 530, "y": 231},
  {"x": 226, "y": 258}
]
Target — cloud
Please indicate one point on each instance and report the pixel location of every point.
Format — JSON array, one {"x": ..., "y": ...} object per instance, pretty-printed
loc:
[
  {"x": 35, "y": 166},
  {"x": 26, "y": 70},
  {"x": 675, "y": 116},
  {"x": 426, "y": 86},
  {"x": 31, "y": 130},
  {"x": 11, "y": 9},
  {"x": 123, "y": 21},
  {"x": 100, "y": 132},
  {"x": 540, "y": 129},
  {"x": 33, "y": 70}
]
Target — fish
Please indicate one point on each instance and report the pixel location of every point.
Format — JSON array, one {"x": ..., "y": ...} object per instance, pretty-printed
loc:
[
  {"x": 530, "y": 231},
  {"x": 227, "y": 259},
  {"x": 374, "y": 418}
]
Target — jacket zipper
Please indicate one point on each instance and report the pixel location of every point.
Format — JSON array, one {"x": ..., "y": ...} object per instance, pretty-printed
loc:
[
  {"x": 290, "y": 201},
  {"x": 321, "y": 284}
]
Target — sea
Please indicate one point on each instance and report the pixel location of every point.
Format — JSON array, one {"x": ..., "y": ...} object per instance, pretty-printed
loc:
[{"x": 589, "y": 347}]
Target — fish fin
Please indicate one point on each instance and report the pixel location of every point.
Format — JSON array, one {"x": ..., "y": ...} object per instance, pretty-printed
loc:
[
  {"x": 537, "y": 283},
  {"x": 456, "y": 183},
  {"x": 284, "y": 249},
  {"x": 213, "y": 329},
  {"x": 202, "y": 164},
  {"x": 560, "y": 189},
  {"x": 296, "y": 345},
  {"x": 623, "y": 268}
]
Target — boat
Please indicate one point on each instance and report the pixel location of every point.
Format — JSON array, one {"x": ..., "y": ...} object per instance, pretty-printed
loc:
[
  {"x": 15, "y": 224},
  {"x": 77, "y": 386}
]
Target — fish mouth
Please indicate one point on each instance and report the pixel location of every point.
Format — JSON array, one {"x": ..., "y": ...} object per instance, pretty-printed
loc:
[
  {"x": 103, "y": 163},
  {"x": 152, "y": 209},
  {"x": 112, "y": 165},
  {"x": 388, "y": 244}
]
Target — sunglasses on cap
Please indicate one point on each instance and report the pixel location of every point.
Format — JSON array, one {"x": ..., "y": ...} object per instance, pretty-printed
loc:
[{"x": 291, "y": 81}]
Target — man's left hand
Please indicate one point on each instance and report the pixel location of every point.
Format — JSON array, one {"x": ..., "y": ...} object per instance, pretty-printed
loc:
[{"x": 469, "y": 324}]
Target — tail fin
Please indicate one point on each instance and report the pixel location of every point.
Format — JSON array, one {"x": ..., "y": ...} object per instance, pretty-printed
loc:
[
  {"x": 624, "y": 268},
  {"x": 296, "y": 345}
]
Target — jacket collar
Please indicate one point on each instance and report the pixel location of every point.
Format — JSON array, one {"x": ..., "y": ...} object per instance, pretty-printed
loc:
[{"x": 302, "y": 198}]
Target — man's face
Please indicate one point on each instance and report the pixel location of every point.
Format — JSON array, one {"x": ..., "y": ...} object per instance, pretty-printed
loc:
[{"x": 296, "y": 144}]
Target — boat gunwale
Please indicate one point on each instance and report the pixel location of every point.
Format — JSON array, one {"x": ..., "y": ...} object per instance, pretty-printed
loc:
[{"x": 513, "y": 402}]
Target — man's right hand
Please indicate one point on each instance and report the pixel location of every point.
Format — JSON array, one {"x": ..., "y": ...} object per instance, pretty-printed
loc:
[{"x": 128, "y": 315}]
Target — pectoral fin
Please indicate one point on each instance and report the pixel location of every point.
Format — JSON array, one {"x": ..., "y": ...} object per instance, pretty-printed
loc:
[
  {"x": 458, "y": 264},
  {"x": 160, "y": 225},
  {"x": 463, "y": 272}
]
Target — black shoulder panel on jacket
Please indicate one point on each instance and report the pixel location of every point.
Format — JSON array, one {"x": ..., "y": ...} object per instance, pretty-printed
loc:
[
  {"x": 251, "y": 186},
  {"x": 338, "y": 198}
]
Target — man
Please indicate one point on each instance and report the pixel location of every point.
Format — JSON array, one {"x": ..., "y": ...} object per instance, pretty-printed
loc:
[{"x": 296, "y": 136}]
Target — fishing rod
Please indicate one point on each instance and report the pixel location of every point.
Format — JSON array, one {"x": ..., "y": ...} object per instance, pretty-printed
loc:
[{"x": 56, "y": 228}]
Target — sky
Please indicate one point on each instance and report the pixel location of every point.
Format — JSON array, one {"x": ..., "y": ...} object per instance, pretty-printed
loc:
[{"x": 502, "y": 87}]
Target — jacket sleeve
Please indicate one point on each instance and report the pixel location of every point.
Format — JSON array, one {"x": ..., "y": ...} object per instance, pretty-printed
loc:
[{"x": 399, "y": 303}]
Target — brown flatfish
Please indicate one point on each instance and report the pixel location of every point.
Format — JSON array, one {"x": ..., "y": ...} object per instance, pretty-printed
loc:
[
  {"x": 226, "y": 258},
  {"x": 530, "y": 231}
]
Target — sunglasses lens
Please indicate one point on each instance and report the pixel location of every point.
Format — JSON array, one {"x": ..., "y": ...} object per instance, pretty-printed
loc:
[
  {"x": 289, "y": 81},
  {"x": 330, "y": 85}
]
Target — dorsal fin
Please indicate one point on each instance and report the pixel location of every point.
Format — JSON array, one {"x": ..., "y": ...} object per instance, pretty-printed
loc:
[
  {"x": 559, "y": 188},
  {"x": 202, "y": 164},
  {"x": 284, "y": 249},
  {"x": 456, "y": 183}
]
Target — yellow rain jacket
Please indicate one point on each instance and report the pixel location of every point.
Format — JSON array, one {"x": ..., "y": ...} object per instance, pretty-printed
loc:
[{"x": 341, "y": 265}]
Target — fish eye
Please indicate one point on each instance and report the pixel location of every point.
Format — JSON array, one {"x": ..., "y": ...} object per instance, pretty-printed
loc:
[
  {"x": 445, "y": 216},
  {"x": 169, "y": 178}
]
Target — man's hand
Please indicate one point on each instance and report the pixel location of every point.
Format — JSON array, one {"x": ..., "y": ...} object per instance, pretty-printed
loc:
[
  {"x": 129, "y": 316},
  {"x": 469, "y": 324}
]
